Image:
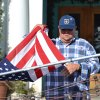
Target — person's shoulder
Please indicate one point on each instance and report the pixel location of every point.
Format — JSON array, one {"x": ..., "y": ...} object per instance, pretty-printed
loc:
[{"x": 82, "y": 40}]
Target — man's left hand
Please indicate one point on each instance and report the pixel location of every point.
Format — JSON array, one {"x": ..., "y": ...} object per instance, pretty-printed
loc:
[{"x": 70, "y": 68}]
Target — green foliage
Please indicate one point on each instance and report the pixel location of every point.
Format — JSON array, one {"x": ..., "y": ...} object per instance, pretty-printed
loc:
[
  {"x": 31, "y": 91},
  {"x": 11, "y": 89},
  {"x": 1, "y": 26},
  {"x": 1, "y": 17},
  {"x": 20, "y": 88}
]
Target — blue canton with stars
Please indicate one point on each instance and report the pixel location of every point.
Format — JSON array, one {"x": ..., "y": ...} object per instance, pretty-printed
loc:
[{"x": 6, "y": 66}]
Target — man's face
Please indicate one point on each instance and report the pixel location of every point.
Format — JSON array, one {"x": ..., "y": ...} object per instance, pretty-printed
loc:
[{"x": 66, "y": 35}]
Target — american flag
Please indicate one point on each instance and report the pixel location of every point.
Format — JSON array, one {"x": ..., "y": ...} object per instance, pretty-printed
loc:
[{"x": 35, "y": 49}]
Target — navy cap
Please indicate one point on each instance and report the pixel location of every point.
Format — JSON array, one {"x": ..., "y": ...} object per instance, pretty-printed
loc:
[{"x": 67, "y": 22}]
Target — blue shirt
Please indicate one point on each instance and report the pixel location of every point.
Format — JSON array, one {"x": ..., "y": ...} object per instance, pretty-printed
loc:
[{"x": 77, "y": 48}]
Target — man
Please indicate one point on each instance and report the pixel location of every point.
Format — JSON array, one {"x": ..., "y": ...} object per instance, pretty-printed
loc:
[{"x": 59, "y": 84}]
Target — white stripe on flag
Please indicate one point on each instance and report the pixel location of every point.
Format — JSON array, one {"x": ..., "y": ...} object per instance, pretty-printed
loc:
[
  {"x": 32, "y": 75},
  {"x": 29, "y": 62},
  {"x": 37, "y": 58},
  {"x": 39, "y": 62},
  {"x": 45, "y": 47},
  {"x": 45, "y": 70},
  {"x": 21, "y": 54}
]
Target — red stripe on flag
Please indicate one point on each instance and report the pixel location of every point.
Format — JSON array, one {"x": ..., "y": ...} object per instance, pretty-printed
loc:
[
  {"x": 51, "y": 68},
  {"x": 53, "y": 48},
  {"x": 20, "y": 46},
  {"x": 43, "y": 57},
  {"x": 25, "y": 59},
  {"x": 34, "y": 63},
  {"x": 41, "y": 53},
  {"x": 38, "y": 72}
]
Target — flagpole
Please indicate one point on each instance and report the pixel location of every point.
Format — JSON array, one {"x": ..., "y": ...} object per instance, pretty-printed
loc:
[{"x": 49, "y": 64}]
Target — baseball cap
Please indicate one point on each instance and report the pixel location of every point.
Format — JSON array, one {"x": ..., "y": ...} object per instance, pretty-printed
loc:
[{"x": 67, "y": 22}]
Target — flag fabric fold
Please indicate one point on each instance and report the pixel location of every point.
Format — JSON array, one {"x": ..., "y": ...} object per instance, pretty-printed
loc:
[{"x": 35, "y": 49}]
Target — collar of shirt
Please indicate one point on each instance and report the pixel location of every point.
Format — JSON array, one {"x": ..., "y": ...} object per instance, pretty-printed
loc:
[{"x": 60, "y": 42}]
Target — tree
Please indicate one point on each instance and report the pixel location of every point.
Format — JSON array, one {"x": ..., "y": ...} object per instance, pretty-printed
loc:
[
  {"x": 20, "y": 87},
  {"x": 5, "y": 86},
  {"x": 22, "y": 90},
  {"x": 1, "y": 27}
]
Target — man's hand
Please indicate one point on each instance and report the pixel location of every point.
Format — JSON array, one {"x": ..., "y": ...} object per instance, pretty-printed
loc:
[{"x": 70, "y": 68}]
